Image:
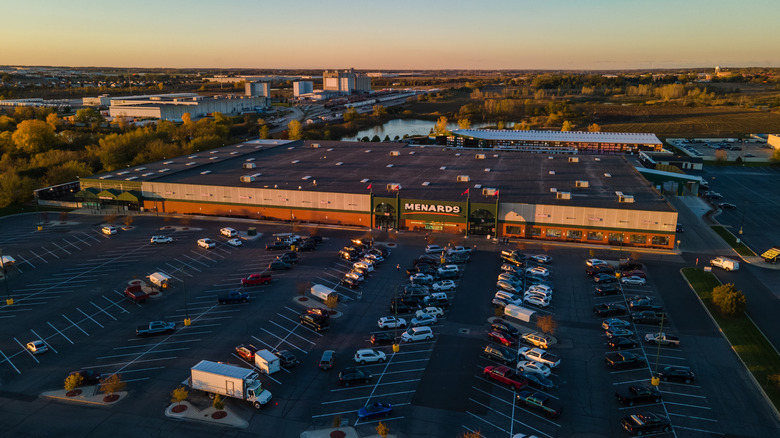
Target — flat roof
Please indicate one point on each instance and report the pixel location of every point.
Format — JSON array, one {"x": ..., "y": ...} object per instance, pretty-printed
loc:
[
  {"x": 425, "y": 173},
  {"x": 562, "y": 136}
]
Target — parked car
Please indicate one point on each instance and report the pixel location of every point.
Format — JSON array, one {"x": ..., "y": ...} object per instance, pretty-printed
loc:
[
  {"x": 635, "y": 394},
  {"x": 161, "y": 239},
  {"x": 599, "y": 269},
  {"x": 367, "y": 355},
  {"x": 415, "y": 334},
  {"x": 506, "y": 355},
  {"x": 37, "y": 347},
  {"x": 530, "y": 366},
  {"x": 434, "y": 249},
  {"x": 538, "y": 270},
  {"x": 536, "y": 300},
  {"x": 374, "y": 410},
  {"x": 276, "y": 246},
  {"x": 234, "y": 242},
  {"x": 206, "y": 243},
  {"x": 422, "y": 320},
  {"x": 505, "y": 375},
  {"x": 633, "y": 280},
  {"x": 645, "y": 422},
  {"x": 277, "y": 265},
  {"x": 607, "y": 289},
  {"x": 604, "y": 278},
  {"x": 614, "y": 332},
  {"x": 678, "y": 373},
  {"x": 594, "y": 262},
  {"x": 443, "y": 285},
  {"x": 286, "y": 358},
  {"x": 609, "y": 309},
  {"x": 647, "y": 317},
  {"x": 540, "y": 402},
  {"x": 420, "y": 279},
  {"x": 538, "y": 339},
  {"x": 109, "y": 230},
  {"x": 247, "y": 352},
  {"x": 351, "y": 375},
  {"x": 387, "y": 322},
  {"x": 727, "y": 206},
  {"x": 349, "y": 282},
  {"x": 382, "y": 338},
  {"x": 621, "y": 342},
  {"x": 256, "y": 279},
  {"x": 228, "y": 232},
  {"x": 505, "y": 327},
  {"x": 433, "y": 311},
  {"x": 614, "y": 323},
  {"x": 502, "y": 338},
  {"x": 622, "y": 360},
  {"x": 539, "y": 355},
  {"x": 88, "y": 377},
  {"x": 541, "y": 258},
  {"x": 538, "y": 381},
  {"x": 713, "y": 195}
]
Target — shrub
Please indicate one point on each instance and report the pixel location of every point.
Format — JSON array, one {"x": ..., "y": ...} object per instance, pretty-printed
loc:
[
  {"x": 729, "y": 301},
  {"x": 73, "y": 381},
  {"x": 382, "y": 429},
  {"x": 179, "y": 395},
  {"x": 112, "y": 384},
  {"x": 218, "y": 403}
]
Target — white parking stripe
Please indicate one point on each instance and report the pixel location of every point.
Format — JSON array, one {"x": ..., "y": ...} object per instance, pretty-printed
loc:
[
  {"x": 103, "y": 310},
  {"x": 291, "y": 332},
  {"x": 695, "y": 418},
  {"x": 73, "y": 324},
  {"x": 698, "y": 430},
  {"x": 9, "y": 361},
  {"x": 68, "y": 252},
  {"x": 183, "y": 264},
  {"x": 116, "y": 303},
  {"x": 365, "y": 398},
  {"x": 282, "y": 340},
  {"x": 516, "y": 420},
  {"x": 680, "y": 393},
  {"x": 81, "y": 240},
  {"x": 55, "y": 255},
  {"x": 71, "y": 244},
  {"x": 36, "y": 255},
  {"x": 44, "y": 341},
  {"x": 141, "y": 353},
  {"x": 687, "y": 405},
  {"x": 58, "y": 331},
  {"x": 89, "y": 317}
]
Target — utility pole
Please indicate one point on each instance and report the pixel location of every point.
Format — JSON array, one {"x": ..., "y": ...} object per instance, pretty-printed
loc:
[{"x": 8, "y": 300}]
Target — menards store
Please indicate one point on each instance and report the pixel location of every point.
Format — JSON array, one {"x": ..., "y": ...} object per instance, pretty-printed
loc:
[{"x": 594, "y": 199}]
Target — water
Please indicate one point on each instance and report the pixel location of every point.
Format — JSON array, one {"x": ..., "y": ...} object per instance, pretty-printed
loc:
[{"x": 401, "y": 127}]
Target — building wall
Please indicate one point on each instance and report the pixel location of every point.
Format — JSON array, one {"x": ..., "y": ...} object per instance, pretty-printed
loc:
[
  {"x": 256, "y": 89},
  {"x": 173, "y": 110},
  {"x": 363, "y": 83},
  {"x": 302, "y": 87},
  {"x": 773, "y": 140}
]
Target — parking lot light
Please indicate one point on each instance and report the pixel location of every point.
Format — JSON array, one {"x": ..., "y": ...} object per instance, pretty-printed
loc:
[{"x": 8, "y": 300}]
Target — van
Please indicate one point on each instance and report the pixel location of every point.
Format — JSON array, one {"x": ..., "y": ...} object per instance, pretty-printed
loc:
[
  {"x": 417, "y": 334},
  {"x": 326, "y": 361},
  {"x": 108, "y": 230},
  {"x": 323, "y": 292},
  {"x": 228, "y": 232},
  {"x": 725, "y": 263}
]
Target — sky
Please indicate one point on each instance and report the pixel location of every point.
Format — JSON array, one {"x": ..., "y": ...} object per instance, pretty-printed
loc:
[{"x": 392, "y": 34}]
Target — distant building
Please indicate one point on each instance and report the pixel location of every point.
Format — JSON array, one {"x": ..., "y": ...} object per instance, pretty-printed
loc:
[
  {"x": 257, "y": 88},
  {"x": 302, "y": 87},
  {"x": 773, "y": 140},
  {"x": 172, "y": 108},
  {"x": 570, "y": 142},
  {"x": 658, "y": 160},
  {"x": 345, "y": 81}
]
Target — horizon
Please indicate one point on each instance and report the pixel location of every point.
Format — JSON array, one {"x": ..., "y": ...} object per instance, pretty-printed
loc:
[{"x": 601, "y": 35}]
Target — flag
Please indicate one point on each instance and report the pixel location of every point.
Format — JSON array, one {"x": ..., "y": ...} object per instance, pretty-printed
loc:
[
  {"x": 496, "y": 194},
  {"x": 465, "y": 193},
  {"x": 369, "y": 187}
]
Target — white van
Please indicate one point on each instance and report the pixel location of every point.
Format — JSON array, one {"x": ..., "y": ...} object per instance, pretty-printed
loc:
[
  {"x": 323, "y": 292},
  {"x": 228, "y": 232},
  {"x": 725, "y": 263},
  {"x": 417, "y": 334}
]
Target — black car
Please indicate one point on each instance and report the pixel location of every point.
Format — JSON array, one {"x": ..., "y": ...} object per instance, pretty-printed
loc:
[
  {"x": 445, "y": 275},
  {"x": 678, "y": 373},
  {"x": 680, "y": 228},
  {"x": 415, "y": 289},
  {"x": 645, "y": 422},
  {"x": 401, "y": 308},
  {"x": 277, "y": 265},
  {"x": 599, "y": 269},
  {"x": 623, "y": 360},
  {"x": 315, "y": 239},
  {"x": 630, "y": 266},
  {"x": 538, "y": 381},
  {"x": 502, "y": 354},
  {"x": 727, "y": 206},
  {"x": 89, "y": 377},
  {"x": 307, "y": 245},
  {"x": 607, "y": 289},
  {"x": 604, "y": 278},
  {"x": 352, "y": 375},
  {"x": 417, "y": 293},
  {"x": 286, "y": 359},
  {"x": 408, "y": 300},
  {"x": 349, "y": 282},
  {"x": 381, "y": 338},
  {"x": 289, "y": 257},
  {"x": 647, "y": 317},
  {"x": 276, "y": 246},
  {"x": 609, "y": 309},
  {"x": 505, "y": 327},
  {"x": 635, "y": 394},
  {"x": 621, "y": 342},
  {"x": 427, "y": 259},
  {"x": 348, "y": 255},
  {"x": 642, "y": 305}
]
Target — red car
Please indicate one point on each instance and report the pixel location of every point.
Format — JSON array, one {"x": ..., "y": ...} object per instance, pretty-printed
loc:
[
  {"x": 634, "y": 273},
  {"x": 256, "y": 279},
  {"x": 247, "y": 352},
  {"x": 502, "y": 338},
  {"x": 505, "y": 375}
]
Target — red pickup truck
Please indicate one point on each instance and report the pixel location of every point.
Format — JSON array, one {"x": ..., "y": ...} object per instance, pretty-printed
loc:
[
  {"x": 505, "y": 375},
  {"x": 136, "y": 294},
  {"x": 256, "y": 279}
]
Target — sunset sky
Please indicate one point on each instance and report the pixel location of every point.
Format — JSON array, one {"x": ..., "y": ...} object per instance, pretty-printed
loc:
[{"x": 396, "y": 34}]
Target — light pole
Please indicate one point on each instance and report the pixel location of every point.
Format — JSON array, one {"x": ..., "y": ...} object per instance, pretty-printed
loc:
[
  {"x": 187, "y": 320},
  {"x": 742, "y": 221},
  {"x": 8, "y": 300}
]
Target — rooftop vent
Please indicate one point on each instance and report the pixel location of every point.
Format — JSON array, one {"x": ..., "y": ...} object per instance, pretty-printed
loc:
[
  {"x": 214, "y": 158},
  {"x": 552, "y": 172},
  {"x": 625, "y": 199},
  {"x": 608, "y": 175},
  {"x": 463, "y": 178},
  {"x": 458, "y": 154},
  {"x": 426, "y": 183},
  {"x": 582, "y": 184},
  {"x": 574, "y": 159},
  {"x": 192, "y": 156},
  {"x": 205, "y": 172},
  {"x": 411, "y": 152},
  {"x": 550, "y": 157},
  {"x": 124, "y": 172},
  {"x": 477, "y": 186},
  {"x": 368, "y": 150},
  {"x": 315, "y": 145},
  {"x": 295, "y": 161},
  {"x": 489, "y": 191},
  {"x": 250, "y": 159},
  {"x": 495, "y": 155},
  {"x": 365, "y": 180},
  {"x": 291, "y": 148},
  {"x": 480, "y": 156},
  {"x": 553, "y": 189},
  {"x": 234, "y": 152},
  {"x": 562, "y": 195},
  {"x": 131, "y": 178},
  {"x": 598, "y": 159},
  {"x": 393, "y": 186},
  {"x": 394, "y": 153},
  {"x": 389, "y": 165},
  {"x": 257, "y": 174},
  {"x": 152, "y": 173},
  {"x": 330, "y": 149},
  {"x": 213, "y": 152}
]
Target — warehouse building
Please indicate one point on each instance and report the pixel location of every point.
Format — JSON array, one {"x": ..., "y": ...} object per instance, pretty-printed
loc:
[
  {"x": 172, "y": 108},
  {"x": 592, "y": 199},
  {"x": 567, "y": 142}
]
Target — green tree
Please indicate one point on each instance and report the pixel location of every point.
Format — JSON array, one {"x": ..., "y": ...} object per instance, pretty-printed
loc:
[
  {"x": 729, "y": 301},
  {"x": 264, "y": 132},
  {"x": 464, "y": 123},
  {"x": 66, "y": 172},
  {"x": 179, "y": 395},
  {"x": 33, "y": 136},
  {"x": 567, "y": 126},
  {"x": 350, "y": 114},
  {"x": 295, "y": 130},
  {"x": 89, "y": 117}
]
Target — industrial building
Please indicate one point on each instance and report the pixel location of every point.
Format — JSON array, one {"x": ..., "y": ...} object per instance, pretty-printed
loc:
[
  {"x": 172, "y": 108},
  {"x": 258, "y": 88},
  {"x": 345, "y": 82},
  {"x": 568, "y": 142},
  {"x": 302, "y": 87},
  {"x": 590, "y": 199}
]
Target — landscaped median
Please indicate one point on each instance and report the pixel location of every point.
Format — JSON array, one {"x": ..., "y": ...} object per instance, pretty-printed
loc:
[
  {"x": 755, "y": 351},
  {"x": 731, "y": 239}
]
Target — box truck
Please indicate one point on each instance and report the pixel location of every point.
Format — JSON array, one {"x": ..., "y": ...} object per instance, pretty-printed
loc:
[
  {"x": 229, "y": 381},
  {"x": 160, "y": 279},
  {"x": 323, "y": 292},
  {"x": 266, "y": 361}
]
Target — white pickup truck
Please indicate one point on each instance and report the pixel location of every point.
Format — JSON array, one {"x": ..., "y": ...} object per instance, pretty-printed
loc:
[
  {"x": 725, "y": 263},
  {"x": 539, "y": 355}
]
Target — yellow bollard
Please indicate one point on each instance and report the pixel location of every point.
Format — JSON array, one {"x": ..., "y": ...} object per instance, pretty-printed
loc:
[
  {"x": 187, "y": 322},
  {"x": 9, "y": 301},
  {"x": 655, "y": 381},
  {"x": 396, "y": 347}
]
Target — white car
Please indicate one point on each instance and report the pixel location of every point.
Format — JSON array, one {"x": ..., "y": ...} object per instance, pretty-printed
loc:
[
  {"x": 433, "y": 311},
  {"x": 506, "y": 267},
  {"x": 433, "y": 249},
  {"x": 540, "y": 356},
  {"x": 234, "y": 242},
  {"x": 108, "y": 230},
  {"x": 595, "y": 262},
  {"x": 530, "y": 366},
  {"x": 458, "y": 250},
  {"x": 447, "y": 268},
  {"x": 368, "y": 355},
  {"x": 443, "y": 285},
  {"x": 206, "y": 243},
  {"x": 387, "y": 322},
  {"x": 633, "y": 280},
  {"x": 509, "y": 287},
  {"x": 161, "y": 239},
  {"x": 375, "y": 258},
  {"x": 424, "y": 319},
  {"x": 541, "y": 258},
  {"x": 536, "y": 300},
  {"x": 538, "y": 270},
  {"x": 365, "y": 266},
  {"x": 228, "y": 232},
  {"x": 547, "y": 290},
  {"x": 509, "y": 297},
  {"x": 420, "y": 278},
  {"x": 354, "y": 275},
  {"x": 509, "y": 276},
  {"x": 417, "y": 334},
  {"x": 541, "y": 295},
  {"x": 37, "y": 347}
]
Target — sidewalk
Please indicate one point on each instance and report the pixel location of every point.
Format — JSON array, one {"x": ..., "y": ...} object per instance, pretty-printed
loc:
[{"x": 211, "y": 415}]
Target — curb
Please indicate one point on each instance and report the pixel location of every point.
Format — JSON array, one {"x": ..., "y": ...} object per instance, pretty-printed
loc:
[{"x": 723, "y": 335}]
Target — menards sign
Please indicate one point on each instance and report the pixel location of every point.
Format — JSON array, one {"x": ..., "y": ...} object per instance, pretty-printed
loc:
[{"x": 447, "y": 210}]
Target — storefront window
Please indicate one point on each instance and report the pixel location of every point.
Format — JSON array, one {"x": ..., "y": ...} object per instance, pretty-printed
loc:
[
  {"x": 574, "y": 234},
  {"x": 661, "y": 240},
  {"x": 615, "y": 237},
  {"x": 536, "y": 231},
  {"x": 595, "y": 235},
  {"x": 553, "y": 232},
  {"x": 638, "y": 238},
  {"x": 514, "y": 229}
]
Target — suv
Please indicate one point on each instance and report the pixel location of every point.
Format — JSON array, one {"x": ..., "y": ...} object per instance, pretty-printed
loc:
[
  {"x": 351, "y": 375},
  {"x": 289, "y": 257},
  {"x": 108, "y": 230},
  {"x": 538, "y": 339},
  {"x": 417, "y": 334},
  {"x": 433, "y": 249},
  {"x": 501, "y": 354},
  {"x": 367, "y": 355},
  {"x": 228, "y": 232},
  {"x": 161, "y": 239},
  {"x": 206, "y": 243}
]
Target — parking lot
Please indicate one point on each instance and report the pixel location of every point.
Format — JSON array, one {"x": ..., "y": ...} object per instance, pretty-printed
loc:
[{"x": 68, "y": 285}]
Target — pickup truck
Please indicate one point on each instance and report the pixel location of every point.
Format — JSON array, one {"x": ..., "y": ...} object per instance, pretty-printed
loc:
[
  {"x": 540, "y": 355},
  {"x": 662, "y": 338},
  {"x": 155, "y": 328},
  {"x": 505, "y": 375},
  {"x": 623, "y": 360},
  {"x": 233, "y": 297},
  {"x": 255, "y": 279},
  {"x": 540, "y": 402},
  {"x": 136, "y": 294}
]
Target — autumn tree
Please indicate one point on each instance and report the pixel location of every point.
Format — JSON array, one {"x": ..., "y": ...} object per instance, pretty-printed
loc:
[
  {"x": 464, "y": 123},
  {"x": 73, "y": 381},
  {"x": 179, "y": 395},
  {"x": 350, "y": 114},
  {"x": 472, "y": 434},
  {"x": 500, "y": 124},
  {"x": 112, "y": 384},
  {"x": 382, "y": 430},
  {"x": 66, "y": 172},
  {"x": 15, "y": 188},
  {"x": 295, "y": 130},
  {"x": 186, "y": 118},
  {"x": 594, "y": 128},
  {"x": 218, "y": 403},
  {"x": 567, "y": 126},
  {"x": 332, "y": 301},
  {"x": 721, "y": 155},
  {"x": 441, "y": 125},
  {"x": 53, "y": 121},
  {"x": 7, "y": 123},
  {"x": 379, "y": 111},
  {"x": 33, "y": 136},
  {"x": 264, "y": 132},
  {"x": 729, "y": 301},
  {"x": 547, "y": 324}
]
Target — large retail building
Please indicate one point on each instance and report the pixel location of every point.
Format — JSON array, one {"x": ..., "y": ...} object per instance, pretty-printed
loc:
[{"x": 586, "y": 198}]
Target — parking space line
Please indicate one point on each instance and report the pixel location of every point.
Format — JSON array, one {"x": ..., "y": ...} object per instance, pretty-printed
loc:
[
  {"x": 182, "y": 270},
  {"x": 365, "y": 398},
  {"x": 141, "y": 370},
  {"x": 103, "y": 310},
  {"x": 282, "y": 340},
  {"x": 405, "y": 371},
  {"x": 71, "y": 244},
  {"x": 137, "y": 346},
  {"x": 688, "y": 405},
  {"x": 28, "y": 351},
  {"x": 93, "y": 320},
  {"x": 36, "y": 255},
  {"x": 80, "y": 240},
  {"x": 194, "y": 260},
  {"x": 695, "y": 418},
  {"x": 91, "y": 236},
  {"x": 698, "y": 430},
  {"x": 291, "y": 331},
  {"x": 683, "y": 394},
  {"x": 506, "y": 432},
  {"x": 73, "y": 324},
  {"x": 358, "y": 422},
  {"x": 7, "y": 359},
  {"x": 332, "y": 414},
  {"x": 68, "y": 252},
  {"x": 142, "y": 353},
  {"x": 45, "y": 249},
  {"x": 44, "y": 341},
  {"x": 58, "y": 331},
  {"x": 116, "y": 303},
  {"x": 123, "y": 365}
]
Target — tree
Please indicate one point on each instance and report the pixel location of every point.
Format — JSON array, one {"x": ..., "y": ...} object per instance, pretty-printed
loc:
[
  {"x": 547, "y": 324},
  {"x": 7, "y": 123},
  {"x": 721, "y": 155},
  {"x": 66, "y": 172},
  {"x": 350, "y": 114},
  {"x": 179, "y": 395},
  {"x": 566, "y": 126},
  {"x": 594, "y": 128},
  {"x": 729, "y": 301},
  {"x": 379, "y": 111},
  {"x": 89, "y": 117},
  {"x": 472, "y": 434},
  {"x": 500, "y": 124},
  {"x": 441, "y": 126},
  {"x": 387, "y": 138},
  {"x": 15, "y": 188},
  {"x": 382, "y": 430},
  {"x": 33, "y": 136},
  {"x": 264, "y": 132},
  {"x": 112, "y": 384},
  {"x": 523, "y": 126},
  {"x": 375, "y": 139},
  {"x": 218, "y": 403},
  {"x": 464, "y": 123},
  {"x": 186, "y": 118},
  {"x": 160, "y": 85},
  {"x": 332, "y": 301},
  {"x": 73, "y": 381},
  {"x": 295, "y": 130},
  {"x": 53, "y": 121}
]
